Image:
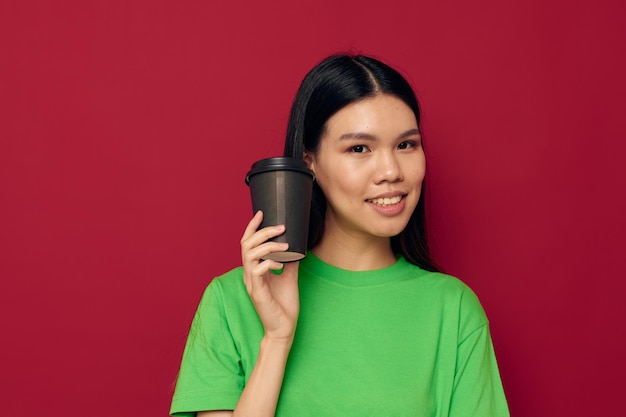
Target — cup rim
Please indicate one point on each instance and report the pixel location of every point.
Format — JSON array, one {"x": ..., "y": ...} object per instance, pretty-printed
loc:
[{"x": 279, "y": 163}]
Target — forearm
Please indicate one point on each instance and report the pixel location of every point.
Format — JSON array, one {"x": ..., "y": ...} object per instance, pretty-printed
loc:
[{"x": 260, "y": 395}]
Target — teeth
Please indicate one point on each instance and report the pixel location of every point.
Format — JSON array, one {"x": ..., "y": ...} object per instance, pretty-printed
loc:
[{"x": 385, "y": 201}]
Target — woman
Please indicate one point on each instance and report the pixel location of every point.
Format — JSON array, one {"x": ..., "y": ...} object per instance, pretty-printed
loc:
[{"x": 364, "y": 325}]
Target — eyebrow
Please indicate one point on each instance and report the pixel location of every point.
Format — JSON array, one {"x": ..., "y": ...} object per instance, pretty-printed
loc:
[{"x": 367, "y": 136}]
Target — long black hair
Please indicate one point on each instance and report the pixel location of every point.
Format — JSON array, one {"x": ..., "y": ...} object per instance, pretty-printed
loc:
[{"x": 331, "y": 85}]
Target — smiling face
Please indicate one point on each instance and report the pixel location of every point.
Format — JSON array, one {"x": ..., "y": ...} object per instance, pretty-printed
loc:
[{"x": 370, "y": 165}]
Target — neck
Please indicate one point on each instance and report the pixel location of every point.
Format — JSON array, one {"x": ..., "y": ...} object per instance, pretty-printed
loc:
[{"x": 354, "y": 253}]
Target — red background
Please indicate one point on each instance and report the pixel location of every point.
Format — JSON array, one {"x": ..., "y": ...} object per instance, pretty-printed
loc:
[{"x": 127, "y": 127}]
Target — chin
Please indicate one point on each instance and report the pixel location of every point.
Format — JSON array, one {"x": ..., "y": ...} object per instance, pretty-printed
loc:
[{"x": 390, "y": 231}]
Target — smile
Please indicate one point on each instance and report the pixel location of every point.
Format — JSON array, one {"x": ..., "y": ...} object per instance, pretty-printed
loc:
[{"x": 385, "y": 201}]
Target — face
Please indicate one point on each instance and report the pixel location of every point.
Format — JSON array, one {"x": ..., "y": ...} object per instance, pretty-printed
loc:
[{"x": 370, "y": 165}]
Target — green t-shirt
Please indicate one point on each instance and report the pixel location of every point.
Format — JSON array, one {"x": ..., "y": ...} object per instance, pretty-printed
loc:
[{"x": 397, "y": 341}]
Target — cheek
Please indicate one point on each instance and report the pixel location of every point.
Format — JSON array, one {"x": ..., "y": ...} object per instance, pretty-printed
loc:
[
  {"x": 339, "y": 181},
  {"x": 417, "y": 170}
]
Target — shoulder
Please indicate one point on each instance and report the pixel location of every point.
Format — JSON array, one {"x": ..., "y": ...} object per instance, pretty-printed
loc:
[
  {"x": 229, "y": 280},
  {"x": 226, "y": 286},
  {"x": 452, "y": 286},
  {"x": 444, "y": 284},
  {"x": 455, "y": 295}
]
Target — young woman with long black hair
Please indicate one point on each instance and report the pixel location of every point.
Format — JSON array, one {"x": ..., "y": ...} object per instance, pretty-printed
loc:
[{"x": 365, "y": 325}]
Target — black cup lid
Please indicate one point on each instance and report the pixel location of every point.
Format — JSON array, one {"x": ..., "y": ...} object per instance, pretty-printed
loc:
[{"x": 281, "y": 163}]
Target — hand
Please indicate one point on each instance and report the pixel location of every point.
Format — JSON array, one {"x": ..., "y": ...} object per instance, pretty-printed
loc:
[{"x": 275, "y": 297}]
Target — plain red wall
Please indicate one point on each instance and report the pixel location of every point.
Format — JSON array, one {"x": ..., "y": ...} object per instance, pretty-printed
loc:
[{"x": 127, "y": 127}]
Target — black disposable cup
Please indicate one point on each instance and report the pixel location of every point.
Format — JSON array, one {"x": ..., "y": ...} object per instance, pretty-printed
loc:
[{"x": 281, "y": 187}]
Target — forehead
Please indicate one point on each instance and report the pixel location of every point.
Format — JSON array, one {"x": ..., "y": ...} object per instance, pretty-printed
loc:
[{"x": 380, "y": 114}]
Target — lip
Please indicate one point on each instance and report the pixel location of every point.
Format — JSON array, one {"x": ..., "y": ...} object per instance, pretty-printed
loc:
[
  {"x": 390, "y": 210},
  {"x": 388, "y": 194}
]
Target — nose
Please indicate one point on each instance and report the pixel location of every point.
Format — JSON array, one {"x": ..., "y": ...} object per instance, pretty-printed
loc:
[{"x": 388, "y": 168}]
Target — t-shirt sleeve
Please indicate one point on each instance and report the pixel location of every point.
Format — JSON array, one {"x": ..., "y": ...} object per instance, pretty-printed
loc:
[
  {"x": 477, "y": 390},
  {"x": 210, "y": 377}
]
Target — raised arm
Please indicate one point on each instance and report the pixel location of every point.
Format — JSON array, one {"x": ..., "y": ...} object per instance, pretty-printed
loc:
[{"x": 276, "y": 300}]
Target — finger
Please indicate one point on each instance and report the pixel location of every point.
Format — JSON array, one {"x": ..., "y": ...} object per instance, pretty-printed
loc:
[
  {"x": 291, "y": 269},
  {"x": 253, "y": 225},
  {"x": 262, "y": 236},
  {"x": 290, "y": 274},
  {"x": 253, "y": 265},
  {"x": 251, "y": 257},
  {"x": 262, "y": 270},
  {"x": 254, "y": 255},
  {"x": 272, "y": 265},
  {"x": 257, "y": 277},
  {"x": 249, "y": 240}
]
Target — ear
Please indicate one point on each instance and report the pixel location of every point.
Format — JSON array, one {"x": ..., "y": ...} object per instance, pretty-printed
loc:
[{"x": 309, "y": 158}]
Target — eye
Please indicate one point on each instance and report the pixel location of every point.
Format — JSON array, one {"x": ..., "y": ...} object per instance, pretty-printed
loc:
[
  {"x": 359, "y": 149},
  {"x": 408, "y": 144}
]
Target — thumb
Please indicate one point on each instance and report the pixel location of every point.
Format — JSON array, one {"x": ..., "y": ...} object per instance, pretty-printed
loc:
[{"x": 291, "y": 268}]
